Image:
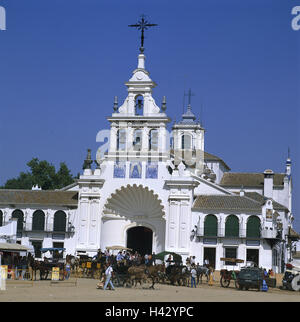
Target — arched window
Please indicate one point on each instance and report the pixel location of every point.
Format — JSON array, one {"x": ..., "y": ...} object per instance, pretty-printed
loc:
[
  {"x": 186, "y": 142},
  {"x": 153, "y": 140},
  {"x": 20, "y": 216},
  {"x": 137, "y": 140},
  {"x": 121, "y": 140},
  {"x": 211, "y": 225},
  {"x": 60, "y": 221},
  {"x": 253, "y": 227},
  {"x": 38, "y": 220},
  {"x": 232, "y": 226},
  {"x": 1, "y": 218},
  {"x": 139, "y": 104}
]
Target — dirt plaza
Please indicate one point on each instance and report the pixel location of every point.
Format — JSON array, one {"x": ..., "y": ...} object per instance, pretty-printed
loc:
[{"x": 84, "y": 290}]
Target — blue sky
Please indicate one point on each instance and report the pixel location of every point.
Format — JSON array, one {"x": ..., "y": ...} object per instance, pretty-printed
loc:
[{"x": 62, "y": 63}]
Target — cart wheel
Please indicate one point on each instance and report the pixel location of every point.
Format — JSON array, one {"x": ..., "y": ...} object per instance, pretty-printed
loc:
[{"x": 224, "y": 282}]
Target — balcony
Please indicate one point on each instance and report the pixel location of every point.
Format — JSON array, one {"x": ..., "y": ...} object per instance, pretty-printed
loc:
[
  {"x": 270, "y": 233},
  {"x": 48, "y": 229}
]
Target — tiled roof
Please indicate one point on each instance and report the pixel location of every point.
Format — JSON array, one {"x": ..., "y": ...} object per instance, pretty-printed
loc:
[
  {"x": 238, "y": 179},
  {"x": 293, "y": 234},
  {"x": 225, "y": 202},
  {"x": 211, "y": 157},
  {"x": 38, "y": 197},
  {"x": 260, "y": 198}
]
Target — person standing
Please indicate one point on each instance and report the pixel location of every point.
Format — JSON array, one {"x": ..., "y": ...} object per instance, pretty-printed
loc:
[
  {"x": 108, "y": 276},
  {"x": 193, "y": 276},
  {"x": 23, "y": 266},
  {"x": 206, "y": 262},
  {"x": 68, "y": 270}
]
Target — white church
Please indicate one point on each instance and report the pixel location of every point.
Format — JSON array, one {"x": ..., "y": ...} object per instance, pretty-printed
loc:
[{"x": 155, "y": 190}]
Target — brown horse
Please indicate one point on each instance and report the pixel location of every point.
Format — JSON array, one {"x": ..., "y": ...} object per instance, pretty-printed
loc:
[
  {"x": 155, "y": 272},
  {"x": 137, "y": 274},
  {"x": 33, "y": 266}
]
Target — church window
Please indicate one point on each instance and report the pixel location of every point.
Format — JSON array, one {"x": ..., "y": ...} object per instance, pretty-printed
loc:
[
  {"x": 253, "y": 227},
  {"x": 153, "y": 140},
  {"x": 151, "y": 170},
  {"x": 38, "y": 220},
  {"x": 210, "y": 225},
  {"x": 121, "y": 140},
  {"x": 135, "y": 171},
  {"x": 60, "y": 220},
  {"x": 186, "y": 142},
  {"x": 232, "y": 226},
  {"x": 119, "y": 169},
  {"x": 20, "y": 216},
  {"x": 139, "y": 104},
  {"x": 137, "y": 140}
]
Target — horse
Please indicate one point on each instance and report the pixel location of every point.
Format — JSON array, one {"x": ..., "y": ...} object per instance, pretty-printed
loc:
[
  {"x": 33, "y": 266},
  {"x": 155, "y": 272},
  {"x": 137, "y": 274},
  {"x": 185, "y": 275},
  {"x": 174, "y": 274},
  {"x": 203, "y": 270}
]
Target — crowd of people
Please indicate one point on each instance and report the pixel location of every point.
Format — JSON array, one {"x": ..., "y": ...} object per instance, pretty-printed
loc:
[
  {"x": 18, "y": 265},
  {"x": 127, "y": 257}
]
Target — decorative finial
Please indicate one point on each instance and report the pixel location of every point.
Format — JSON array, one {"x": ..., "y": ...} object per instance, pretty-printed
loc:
[
  {"x": 88, "y": 161},
  {"x": 116, "y": 104},
  {"x": 142, "y": 25},
  {"x": 164, "y": 104}
]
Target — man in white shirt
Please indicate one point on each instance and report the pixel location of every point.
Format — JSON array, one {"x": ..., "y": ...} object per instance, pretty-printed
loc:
[{"x": 108, "y": 275}]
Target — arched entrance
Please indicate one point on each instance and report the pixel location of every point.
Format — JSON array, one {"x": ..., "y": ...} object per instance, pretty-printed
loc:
[{"x": 140, "y": 239}]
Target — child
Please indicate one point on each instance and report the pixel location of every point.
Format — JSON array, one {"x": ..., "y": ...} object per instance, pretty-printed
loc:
[{"x": 101, "y": 283}]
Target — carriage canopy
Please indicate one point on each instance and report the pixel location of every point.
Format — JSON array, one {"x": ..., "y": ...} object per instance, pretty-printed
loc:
[{"x": 162, "y": 255}]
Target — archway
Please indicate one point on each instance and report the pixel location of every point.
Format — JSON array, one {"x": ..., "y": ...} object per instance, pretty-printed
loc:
[{"x": 140, "y": 239}]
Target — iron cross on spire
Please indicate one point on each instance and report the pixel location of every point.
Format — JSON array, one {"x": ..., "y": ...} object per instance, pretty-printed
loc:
[
  {"x": 189, "y": 94},
  {"x": 142, "y": 25}
]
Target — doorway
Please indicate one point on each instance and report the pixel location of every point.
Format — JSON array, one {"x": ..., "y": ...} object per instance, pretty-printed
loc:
[
  {"x": 210, "y": 255},
  {"x": 140, "y": 239},
  {"x": 253, "y": 256}
]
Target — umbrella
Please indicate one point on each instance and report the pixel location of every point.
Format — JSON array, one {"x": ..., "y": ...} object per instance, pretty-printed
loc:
[
  {"x": 118, "y": 248},
  {"x": 43, "y": 250},
  {"x": 161, "y": 256}
]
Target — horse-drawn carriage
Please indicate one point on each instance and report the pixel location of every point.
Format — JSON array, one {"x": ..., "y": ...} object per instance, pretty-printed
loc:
[
  {"x": 90, "y": 267},
  {"x": 55, "y": 260},
  {"x": 228, "y": 275}
]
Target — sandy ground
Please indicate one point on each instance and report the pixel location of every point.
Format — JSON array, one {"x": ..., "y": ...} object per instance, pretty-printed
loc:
[{"x": 84, "y": 290}]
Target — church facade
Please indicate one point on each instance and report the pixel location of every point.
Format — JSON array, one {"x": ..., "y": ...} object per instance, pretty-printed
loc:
[{"x": 155, "y": 190}]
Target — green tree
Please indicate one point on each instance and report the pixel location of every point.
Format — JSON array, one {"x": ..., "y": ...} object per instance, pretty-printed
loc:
[{"x": 43, "y": 174}]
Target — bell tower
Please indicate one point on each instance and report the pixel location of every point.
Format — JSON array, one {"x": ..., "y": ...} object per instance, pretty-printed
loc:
[
  {"x": 188, "y": 138},
  {"x": 139, "y": 125}
]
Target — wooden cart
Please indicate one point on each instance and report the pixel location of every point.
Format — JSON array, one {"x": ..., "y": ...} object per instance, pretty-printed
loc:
[{"x": 228, "y": 275}]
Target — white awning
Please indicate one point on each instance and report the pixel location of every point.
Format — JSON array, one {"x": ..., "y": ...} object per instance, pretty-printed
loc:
[{"x": 13, "y": 247}]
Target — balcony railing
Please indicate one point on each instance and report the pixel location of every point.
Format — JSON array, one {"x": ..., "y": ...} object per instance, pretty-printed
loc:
[
  {"x": 49, "y": 228},
  {"x": 241, "y": 233},
  {"x": 228, "y": 233}
]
